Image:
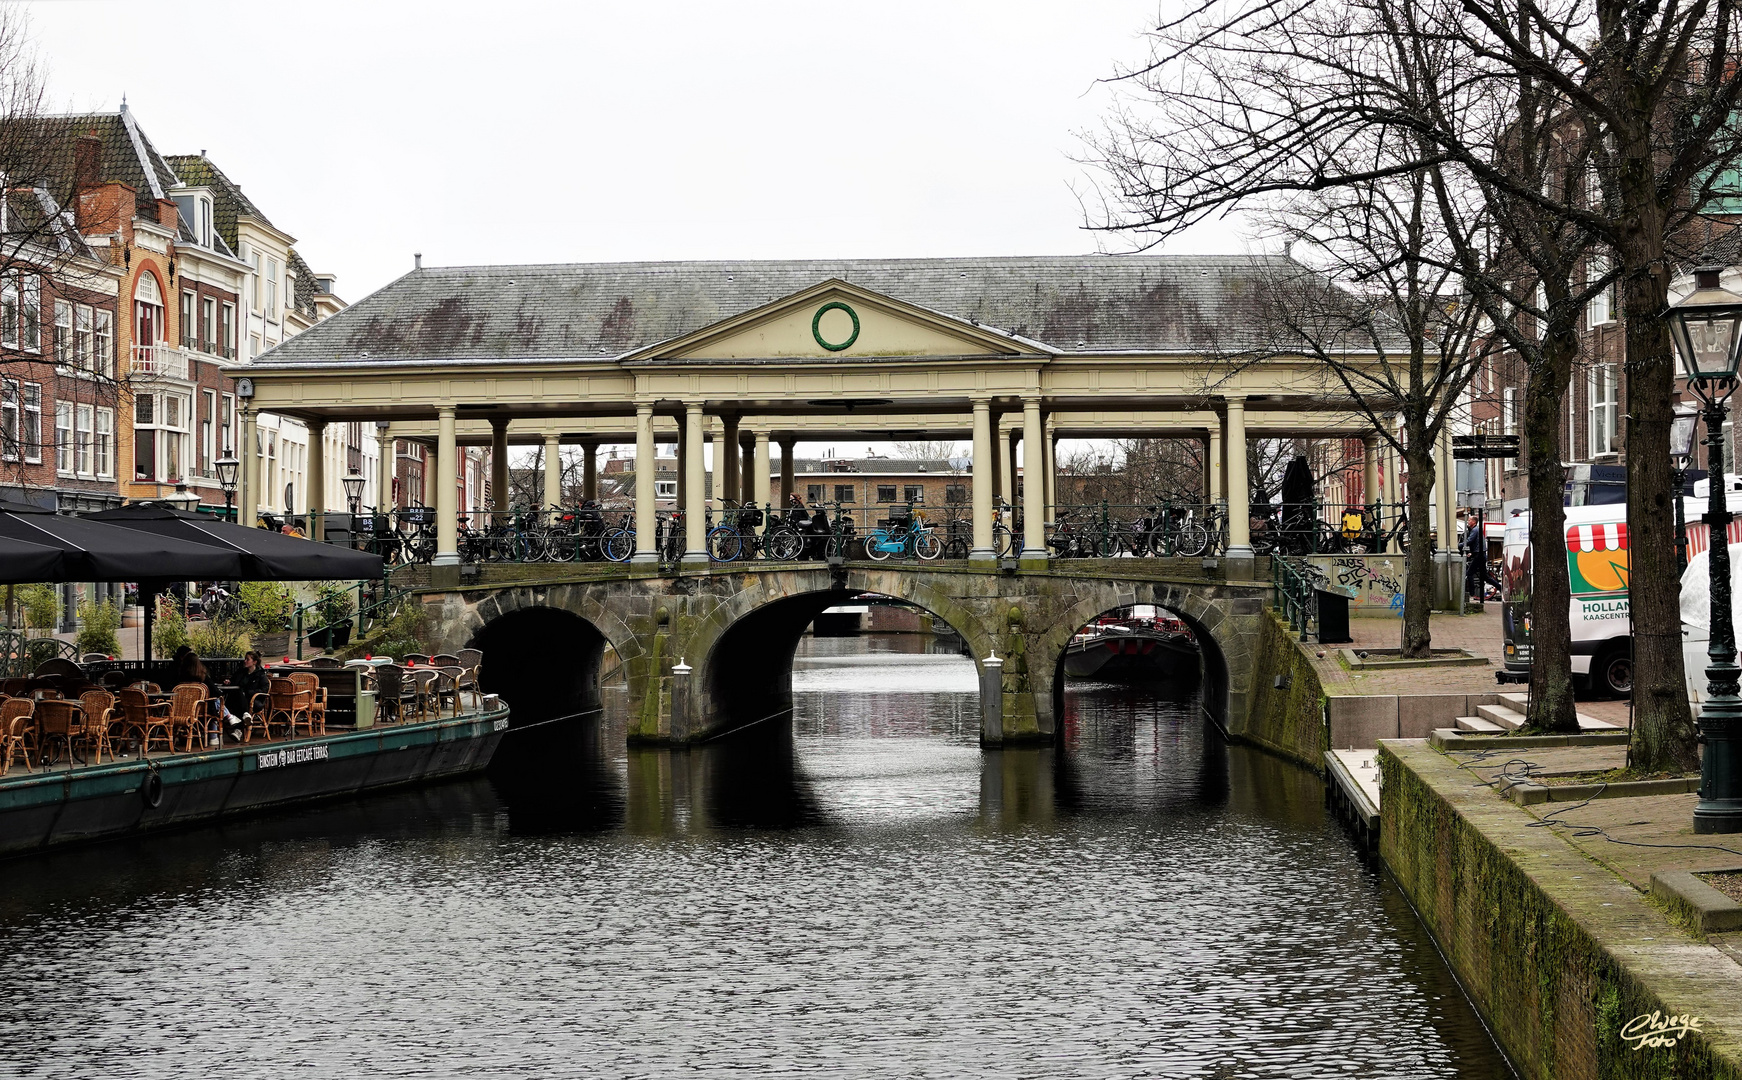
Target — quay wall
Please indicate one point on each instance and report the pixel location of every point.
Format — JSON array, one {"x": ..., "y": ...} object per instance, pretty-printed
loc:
[
  {"x": 1287, "y": 709},
  {"x": 1556, "y": 953}
]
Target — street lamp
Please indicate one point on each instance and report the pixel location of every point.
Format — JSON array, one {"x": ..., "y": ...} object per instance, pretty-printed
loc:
[
  {"x": 353, "y": 490},
  {"x": 1707, "y": 330},
  {"x": 227, "y": 467},
  {"x": 183, "y": 498}
]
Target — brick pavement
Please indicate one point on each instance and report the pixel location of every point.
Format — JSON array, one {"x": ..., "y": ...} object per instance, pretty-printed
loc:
[{"x": 1478, "y": 633}]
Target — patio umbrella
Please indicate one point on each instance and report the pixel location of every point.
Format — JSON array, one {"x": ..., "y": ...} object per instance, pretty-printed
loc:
[
  {"x": 95, "y": 551},
  {"x": 265, "y": 555},
  {"x": 22, "y": 561}
]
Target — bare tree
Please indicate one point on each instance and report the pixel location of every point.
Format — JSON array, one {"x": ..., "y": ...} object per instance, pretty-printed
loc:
[{"x": 927, "y": 449}]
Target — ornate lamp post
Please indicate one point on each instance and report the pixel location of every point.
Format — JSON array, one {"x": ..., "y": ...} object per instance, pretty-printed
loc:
[
  {"x": 1707, "y": 330},
  {"x": 353, "y": 490},
  {"x": 226, "y": 468}
]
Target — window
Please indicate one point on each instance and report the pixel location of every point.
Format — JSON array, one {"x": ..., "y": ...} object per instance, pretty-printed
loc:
[
  {"x": 1509, "y": 420},
  {"x": 84, "y": 348},
  {"x": 227, "y": 332},
  {"x": 813, "y": 493},
  {"x": 254, "y": 261},
  {"x": 913, "y": 493},
  {"x": 1603, "y": 408},
  {"x": 30, "y": 311},
  {"x": 886, "y": 493},
  {"x": 955, "y": 493},
  {"x": 665, "y": 489},
  {"x": 32, "y": 433},
  {"x": 187, "y": 321},
  {"x": 160, "y": 437},
  {"x": 209, "y": 326},
  {"x": 20, "y": 420},
  {"x": 63, "y": 436},
  {"x": 9, "y": 419},
  {"x": 227, "y": 426},
  {"x": 103, "y": 363},
  {"x": 63, "y": 333},
  {"x": 147, "y": 321},
  {"x": 9, "y": 314},
  {"x": 105, "y": 443},
  {"x": 85, "y": 439},
  {"x": 844, "y": 493},
  {"x": 208, "y": 430},
  {"x": 1602, "y": 308},
  {"x": 272, "y": 288}
]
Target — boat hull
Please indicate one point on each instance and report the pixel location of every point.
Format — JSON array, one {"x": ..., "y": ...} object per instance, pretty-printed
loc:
[
  {"x": 1132, "y": 658},
  {"x": 45, "y": 810}
]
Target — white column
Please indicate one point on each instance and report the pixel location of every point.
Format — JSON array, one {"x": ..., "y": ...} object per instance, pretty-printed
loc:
[
  {"x": 722, "y": 451},
  {"x": 759, "y": 488},
  {"x": 1052, "y": 473},
  {"x": 1239, "y": 492},
  {"x": 695, "y": 507},
  {"x": 1033, "y": 483},
  {"x": 317, "y": 479},
  {"x": 386, "y": 469},
  {"x": 553, "y": 471},
  {"x": 646, "y": 468},
  {"x": 1213, "y": 452},
  {"x": 985, "y": 471},
  {"x": 248, "y": 498},
  {"x": 446, "y": 494}
]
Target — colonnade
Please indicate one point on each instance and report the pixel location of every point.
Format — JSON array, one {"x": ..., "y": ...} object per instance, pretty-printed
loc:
[{"x": 744, "y": 462}]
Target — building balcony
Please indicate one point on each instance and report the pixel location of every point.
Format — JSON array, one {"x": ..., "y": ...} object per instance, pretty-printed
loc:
[{"x": 161, "y": 361}]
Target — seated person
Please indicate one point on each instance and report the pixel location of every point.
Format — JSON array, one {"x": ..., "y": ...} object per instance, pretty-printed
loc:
[{"x": 189, "y": 668}]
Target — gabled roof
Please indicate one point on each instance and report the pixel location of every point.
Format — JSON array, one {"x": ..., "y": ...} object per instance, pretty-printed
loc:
[
  {"x": 228, "y": 202},
  {"x": 128, "y": 156},
  {"x": 1087, "y": 303}
]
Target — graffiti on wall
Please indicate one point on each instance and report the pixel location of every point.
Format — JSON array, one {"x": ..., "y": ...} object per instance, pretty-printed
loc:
[{"x": 1373, "y": 583}]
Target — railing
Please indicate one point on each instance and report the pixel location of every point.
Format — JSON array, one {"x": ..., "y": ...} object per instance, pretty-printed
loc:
[
  {"x": 162, "y": 360},
  {"x": 1293, "y": 593},
  {"x": 374, "y": 600},
  {"x": 21, "y": 655}
]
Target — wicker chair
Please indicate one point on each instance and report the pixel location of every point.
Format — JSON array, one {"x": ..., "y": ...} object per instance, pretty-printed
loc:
[
  {"x": 143, "y": 718},
  {"x": 188, "y": 714},
  {"x": 393, "y": 692},
  {"x": 310, "y": 684},
  {"x": 424, "y": 681},
  {"x": 56, "y": 721},
  {"x": 100, "y": 713},
  {"x": 260, "y": 714},
  {"x": 416, "y": 658},
  {"x": 17, "y": 726},
  {"x": 289, "y": 705}
]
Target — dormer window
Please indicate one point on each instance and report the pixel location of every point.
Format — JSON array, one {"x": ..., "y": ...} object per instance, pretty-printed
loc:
[{"x": 196, "y": 213}]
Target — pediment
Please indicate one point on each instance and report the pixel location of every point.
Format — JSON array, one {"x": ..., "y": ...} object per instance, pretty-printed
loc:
[{"x": 835, "y": 320}]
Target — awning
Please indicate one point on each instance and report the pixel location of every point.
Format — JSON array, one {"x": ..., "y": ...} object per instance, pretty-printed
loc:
[
  {"x": 265, "y": 555},
  {"x": 92, "y": 550},
  {"x": 21, "y": 561}
]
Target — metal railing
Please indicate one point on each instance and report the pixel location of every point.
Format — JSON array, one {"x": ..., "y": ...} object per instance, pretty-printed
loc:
[
  {"x": 1292, "y": 592},
  {"x": 162, "y": 359}
]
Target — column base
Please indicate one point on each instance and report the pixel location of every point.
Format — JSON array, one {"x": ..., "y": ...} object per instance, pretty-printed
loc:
[
  {"x": 444, "y": 575},
  {"x": 1239, "y": 563},
  {"x": 983, "y": 559},
  {"x": 446, "y": 558},
  {"x": 694, "y": 562},
  {"x": 1033, "y": 559}
]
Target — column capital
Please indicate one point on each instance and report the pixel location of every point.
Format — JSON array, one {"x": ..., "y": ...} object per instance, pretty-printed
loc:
[{"x": 446, "y": 411}]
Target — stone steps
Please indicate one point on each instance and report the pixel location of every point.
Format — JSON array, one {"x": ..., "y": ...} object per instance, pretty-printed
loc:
[
  {"x": 1478, "y": 726},
  {"x": 1505, "y": 716},
  {"x": 1510, "y": 717}
]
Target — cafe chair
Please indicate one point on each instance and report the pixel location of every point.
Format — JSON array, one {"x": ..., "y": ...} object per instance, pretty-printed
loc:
[
  {"x": 188, "y": 714},
  {"x": 393, "y": 692},
  {"x": 143, "y": 718},
  {"x": 447, "y": 685},
  {"x": 16, "y": 728},
  {"x": 417, "y": 659},
  {"x": 56, "y": 721},
  {"x": 326, "y": 662},
  {"x": 289, "y": 705},
  {"x": 100, "y": 713},
  {"x": 424, "y": 692},
  {"x": 310, "y": 684}
]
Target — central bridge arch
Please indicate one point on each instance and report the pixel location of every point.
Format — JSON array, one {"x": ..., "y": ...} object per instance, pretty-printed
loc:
[{"x": 705, "y": 653}]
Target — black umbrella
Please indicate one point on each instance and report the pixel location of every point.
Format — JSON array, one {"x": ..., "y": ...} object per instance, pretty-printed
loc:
[
  {"x": 266, "y": 556},
  {"x": 22, "y": 561},
  {"x": 96, "y": 551}
]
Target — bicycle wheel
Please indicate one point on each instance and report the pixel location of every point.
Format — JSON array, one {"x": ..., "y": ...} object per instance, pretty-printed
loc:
[
  {"x": 619, "y": 545},
  {"x": 784, "y": 545},
  {"x": 874, "y": 549},
  {"x": 1001, "y": 541},
  {"x": 956, "y": 548},
  {"x": 724, "y": 543},
  {"x": 585, "y": 548},
  {"x": 927, "y": 546},
  {"x": 1193, "y": 540}
]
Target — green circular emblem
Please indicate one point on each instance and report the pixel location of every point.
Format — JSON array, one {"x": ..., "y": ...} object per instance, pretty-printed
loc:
[{"x": 817, "y": 323}]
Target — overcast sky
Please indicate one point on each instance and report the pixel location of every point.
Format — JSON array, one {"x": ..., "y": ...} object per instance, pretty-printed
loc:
[{"x": 521, "y": 132}]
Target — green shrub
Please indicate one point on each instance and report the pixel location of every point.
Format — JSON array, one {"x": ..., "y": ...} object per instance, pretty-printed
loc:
[
  {"x": 40, "y": 604},
  {"x": 267, "y": 607},
  {"x": 98, "y": 626},
  {"x": 333, "y": 602},
  {"x": 219, "y": 637},
  {"x": 170, "y": 632},
  {"x": 405, "y": 630}
]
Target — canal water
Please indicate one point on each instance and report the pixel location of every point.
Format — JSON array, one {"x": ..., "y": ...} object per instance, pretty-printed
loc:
[{"x": 864, "y": 892}]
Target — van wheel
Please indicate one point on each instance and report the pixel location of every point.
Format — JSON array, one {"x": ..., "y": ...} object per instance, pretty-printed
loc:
[{"x": 1612, "y": 673}]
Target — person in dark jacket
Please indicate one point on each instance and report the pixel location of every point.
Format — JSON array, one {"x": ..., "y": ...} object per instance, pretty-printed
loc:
[{"x": 251, "y": 680}]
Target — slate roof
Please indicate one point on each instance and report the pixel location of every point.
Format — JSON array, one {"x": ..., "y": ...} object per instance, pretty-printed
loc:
[
  {"x": 128, "y": 156},
  {"x": 604, "y": 310},
  {"x": 228, "y": 202}
]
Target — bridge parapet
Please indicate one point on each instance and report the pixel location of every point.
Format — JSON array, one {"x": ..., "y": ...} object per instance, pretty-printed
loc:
[{"x": 735, "y": 631}]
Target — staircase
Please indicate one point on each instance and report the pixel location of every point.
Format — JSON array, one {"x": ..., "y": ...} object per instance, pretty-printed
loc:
[{"x": 1508, "y": 715}]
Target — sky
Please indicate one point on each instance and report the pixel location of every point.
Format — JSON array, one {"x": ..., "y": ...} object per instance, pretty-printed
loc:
[{"x": 515, "y": 132}]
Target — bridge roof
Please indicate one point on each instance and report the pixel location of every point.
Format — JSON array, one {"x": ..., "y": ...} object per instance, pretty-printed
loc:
[{"x": 603, "y": 311}]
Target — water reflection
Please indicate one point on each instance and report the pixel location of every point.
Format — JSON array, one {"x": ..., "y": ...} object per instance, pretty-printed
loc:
[{"x": 858, "y": 890}]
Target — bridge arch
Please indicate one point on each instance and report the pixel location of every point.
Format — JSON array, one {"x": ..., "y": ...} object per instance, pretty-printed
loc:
[
  {"x": 745, "y": 649},
  {"x": 1190, "y": 608}
]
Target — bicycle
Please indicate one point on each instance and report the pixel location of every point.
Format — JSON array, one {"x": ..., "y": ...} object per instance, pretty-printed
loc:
[{"x": 908, "y": 537}]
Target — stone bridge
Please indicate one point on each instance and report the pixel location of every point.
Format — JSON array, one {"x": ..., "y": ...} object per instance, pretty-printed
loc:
[{"x": 706, "y": 653}]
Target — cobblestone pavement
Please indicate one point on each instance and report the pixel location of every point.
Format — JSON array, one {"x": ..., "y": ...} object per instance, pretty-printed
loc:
[{"x": 1477, "y": 633}]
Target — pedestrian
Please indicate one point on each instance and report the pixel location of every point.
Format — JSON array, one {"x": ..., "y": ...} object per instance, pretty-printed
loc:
[{"x": 251, "y": 682}]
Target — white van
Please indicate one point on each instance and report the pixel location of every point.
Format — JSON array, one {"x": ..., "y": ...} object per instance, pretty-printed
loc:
[{"x": 1596, "y": 567}]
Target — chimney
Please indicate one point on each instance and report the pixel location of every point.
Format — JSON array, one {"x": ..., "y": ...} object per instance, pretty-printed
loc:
[
  {"x": 417, "y": 260},
  {"x": 87, "y": 163},
  {"x": 167, "y": 214}
]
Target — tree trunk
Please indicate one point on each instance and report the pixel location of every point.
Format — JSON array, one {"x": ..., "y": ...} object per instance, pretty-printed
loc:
[
  {"x": 1551, "y": 673},
  {"x": 1663, "y": 728},
  {"x": 1418, "y": 567}
]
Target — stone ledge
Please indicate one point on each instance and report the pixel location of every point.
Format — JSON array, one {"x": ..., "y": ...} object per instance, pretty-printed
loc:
[
  {"x": 1531, "y": 794},
  {"x": 1453, "y": 739},
  {"x": 1389, "y": 660},
  {"x": 1705, "y": 907}
]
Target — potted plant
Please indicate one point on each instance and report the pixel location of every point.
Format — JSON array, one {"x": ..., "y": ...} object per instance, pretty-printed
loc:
[
  {"x": 267, "y": 608},
  {"x": 332, "y": 613},
  {"x": 41, "y": 607},
  {"x": 98, "y": 623}
]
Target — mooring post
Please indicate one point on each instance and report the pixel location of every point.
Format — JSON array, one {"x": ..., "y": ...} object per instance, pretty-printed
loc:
[
  {"x": 992, "y": 701},
  {"x": 680, "y": 702}
]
